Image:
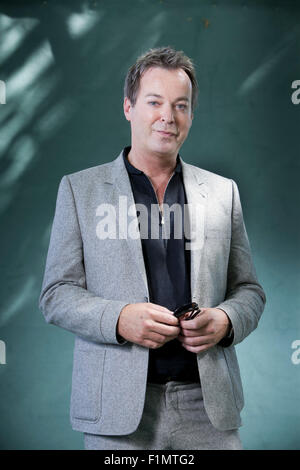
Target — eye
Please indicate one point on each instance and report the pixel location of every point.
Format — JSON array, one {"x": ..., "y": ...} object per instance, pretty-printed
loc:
[
  {"x": 153, "y": 103},
  {"x": 182, "y": 106}
]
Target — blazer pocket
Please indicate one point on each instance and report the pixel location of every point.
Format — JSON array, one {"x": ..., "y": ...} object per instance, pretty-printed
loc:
[{"x": 87, "y": 384}]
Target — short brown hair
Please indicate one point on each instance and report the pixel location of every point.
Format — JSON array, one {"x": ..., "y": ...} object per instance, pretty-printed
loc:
[{"x": 164, "y": 57}]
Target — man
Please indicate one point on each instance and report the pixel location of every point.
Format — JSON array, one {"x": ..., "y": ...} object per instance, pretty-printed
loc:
[{"x": 142, "y": 378}]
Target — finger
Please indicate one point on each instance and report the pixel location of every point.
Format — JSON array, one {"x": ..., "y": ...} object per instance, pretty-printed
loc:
[
  {"x": 155, "y": 337},
  {"x": 198, "y": 349},
  {"x": 154, "y": 340},
  {"x": 195, "y": 341},
  {"x": 163, "y": 329},
  {"x": 204, "y": 331},
  {"x": 196, "y": 323},
  {"x": 164, "y": 318}
]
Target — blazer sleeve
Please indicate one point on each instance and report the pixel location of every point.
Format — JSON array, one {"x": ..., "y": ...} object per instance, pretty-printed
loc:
[
  {"x": 245, "y": 298},
  {"x": 64, "y": 299}
]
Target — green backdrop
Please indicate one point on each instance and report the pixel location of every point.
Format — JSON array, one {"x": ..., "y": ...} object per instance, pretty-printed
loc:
[{"x": 63, "y": 64}]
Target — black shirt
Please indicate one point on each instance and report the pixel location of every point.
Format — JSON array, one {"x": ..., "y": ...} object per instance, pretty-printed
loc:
[{"x": 167, "y": 264}]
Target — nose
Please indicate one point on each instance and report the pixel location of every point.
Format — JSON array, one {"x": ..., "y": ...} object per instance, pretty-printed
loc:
[{"x": 167, "y": 115}]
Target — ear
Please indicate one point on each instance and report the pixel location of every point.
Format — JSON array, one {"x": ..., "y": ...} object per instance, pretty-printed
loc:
[
  {"x": 127, "y": 108},
  {"x": 192, "y": 115}
]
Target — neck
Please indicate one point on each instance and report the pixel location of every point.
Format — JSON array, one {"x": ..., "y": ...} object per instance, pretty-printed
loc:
[{"x": 153, "y": 165}]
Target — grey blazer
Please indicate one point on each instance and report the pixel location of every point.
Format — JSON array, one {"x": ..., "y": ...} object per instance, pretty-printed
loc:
[{"x": 88, "y": 280}]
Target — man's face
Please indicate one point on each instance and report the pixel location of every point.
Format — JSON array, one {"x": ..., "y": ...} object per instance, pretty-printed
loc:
[{"x": 162, "y": 116}]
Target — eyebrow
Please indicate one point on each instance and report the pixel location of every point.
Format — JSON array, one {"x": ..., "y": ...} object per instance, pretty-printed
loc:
[{"x": 181, "y": 98}]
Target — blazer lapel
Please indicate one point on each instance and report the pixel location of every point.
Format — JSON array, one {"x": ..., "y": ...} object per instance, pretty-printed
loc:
[
  {"x": 123, "y": 198},
  {"x": 196, "y": 193}
]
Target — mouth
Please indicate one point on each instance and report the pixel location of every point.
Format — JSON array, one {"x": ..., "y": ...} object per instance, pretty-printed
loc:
[{"x": 166, "y": 133}]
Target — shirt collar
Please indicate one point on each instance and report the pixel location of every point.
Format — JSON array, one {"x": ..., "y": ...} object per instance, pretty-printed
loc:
[{"x": 133, "y": 170}]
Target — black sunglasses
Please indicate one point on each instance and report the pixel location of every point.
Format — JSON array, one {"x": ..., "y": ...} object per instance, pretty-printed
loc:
[{"x": 193, "y": 308}]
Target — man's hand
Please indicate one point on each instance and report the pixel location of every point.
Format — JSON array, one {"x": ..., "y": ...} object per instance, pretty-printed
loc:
[
  {"x": 204, "y": 331},
  {"x": 147, "y": 324}
]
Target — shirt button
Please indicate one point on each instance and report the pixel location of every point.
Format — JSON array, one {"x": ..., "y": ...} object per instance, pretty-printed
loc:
[{"x": 146, "y": 299}]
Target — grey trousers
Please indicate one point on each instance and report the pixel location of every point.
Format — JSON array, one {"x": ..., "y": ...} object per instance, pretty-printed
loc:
[{"x": 173, "y": 418}]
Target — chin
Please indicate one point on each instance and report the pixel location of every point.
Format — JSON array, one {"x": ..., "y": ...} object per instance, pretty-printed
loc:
[
  {"x": 166, "y": 148},
  {"x": 163, "y": 150}
]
